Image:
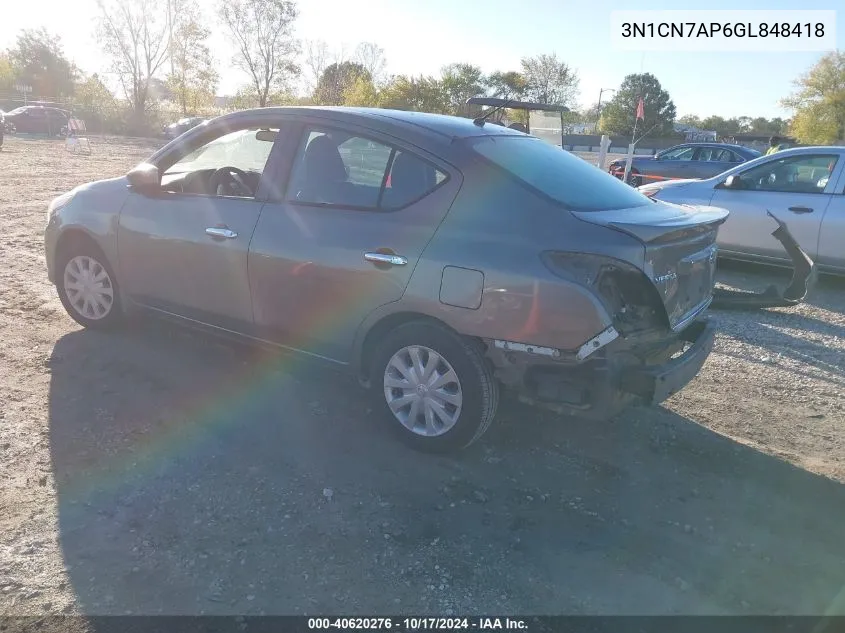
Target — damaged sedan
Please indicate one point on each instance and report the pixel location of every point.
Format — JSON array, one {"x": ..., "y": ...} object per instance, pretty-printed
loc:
[{"x": 439, "y": 259}]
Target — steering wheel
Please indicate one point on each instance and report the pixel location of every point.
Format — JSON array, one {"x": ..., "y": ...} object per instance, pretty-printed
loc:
[{"x": 230, "y": 181}]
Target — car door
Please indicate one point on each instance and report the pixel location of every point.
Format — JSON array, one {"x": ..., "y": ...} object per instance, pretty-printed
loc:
[
  {"x": 183, "y": 250},
  {"x": 832, "y": 236},
  {"x": 795, "y": 188},
  {"x": 344, "y": 235}
]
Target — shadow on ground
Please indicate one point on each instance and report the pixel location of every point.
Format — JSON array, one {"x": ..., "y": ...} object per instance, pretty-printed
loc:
[{"x": 197, "y": 477}]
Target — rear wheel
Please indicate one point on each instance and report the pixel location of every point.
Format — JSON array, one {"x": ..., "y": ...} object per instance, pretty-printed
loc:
[
  {"x": 87, "y": 287},
  {"x": 435, "y": 390}
]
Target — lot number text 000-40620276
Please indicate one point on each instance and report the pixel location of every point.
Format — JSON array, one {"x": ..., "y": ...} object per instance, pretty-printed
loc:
[{"x": 720, "y": 31}]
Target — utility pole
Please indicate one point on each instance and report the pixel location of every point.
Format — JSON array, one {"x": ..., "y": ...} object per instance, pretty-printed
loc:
[{"x": 598, "y": 107}]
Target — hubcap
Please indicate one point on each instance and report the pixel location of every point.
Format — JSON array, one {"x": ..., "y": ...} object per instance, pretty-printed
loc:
[
  {"x": 423, "y": 391},
  {"x": 88, "y": 287}
]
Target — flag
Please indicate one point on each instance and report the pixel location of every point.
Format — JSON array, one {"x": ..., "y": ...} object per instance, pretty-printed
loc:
[{"x": 640, "y": 109}]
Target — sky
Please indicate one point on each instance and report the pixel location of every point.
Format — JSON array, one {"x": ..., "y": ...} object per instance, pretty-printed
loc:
[{"x": 421, "y": 37}]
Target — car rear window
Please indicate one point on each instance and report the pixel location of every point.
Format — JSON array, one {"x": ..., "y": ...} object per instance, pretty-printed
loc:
[{"x": 556, "y": 173}]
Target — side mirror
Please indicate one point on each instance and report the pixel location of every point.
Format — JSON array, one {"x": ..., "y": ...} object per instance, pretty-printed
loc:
[{"x": 145, "y": 178}]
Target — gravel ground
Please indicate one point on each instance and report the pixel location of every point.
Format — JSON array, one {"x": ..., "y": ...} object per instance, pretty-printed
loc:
[{"x": 159, "y": 471}]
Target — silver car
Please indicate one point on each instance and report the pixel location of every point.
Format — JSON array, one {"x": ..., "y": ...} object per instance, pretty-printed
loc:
[
  {"x": 436, "y": 258},
  {"x": 803, "y": 186}
]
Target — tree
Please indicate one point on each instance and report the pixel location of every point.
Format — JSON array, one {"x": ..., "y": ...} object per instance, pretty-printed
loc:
[
  {"x": 506, "y": 85},
  {"x": 7, "y": 73},
  {"x": 691, "y": 120},
  {"x": 336, "y": 80},
  {"x": 423, "y": 94},
  {"x": 762, "y": 125},
  {"x": 619, "y": 116},
  {"x": 361, "y": 93},
  {"x": 819, "y": 102},
  {"x": 37, "y": 60},
  {"x": 371, "y": 57},
  {"x": 549, "y": 80},
  {"x": 459, "y": 83},
  {"x": 262, "y": 31},
  {"x": 134, "y": 34},
  {"x": 722, "y": 126},
  {"x": 316, "y": 60},
  {"x": 193, "y": 79}
]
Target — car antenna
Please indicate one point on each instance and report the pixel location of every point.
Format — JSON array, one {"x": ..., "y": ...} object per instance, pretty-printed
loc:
[{"x": 479, "y": 121}]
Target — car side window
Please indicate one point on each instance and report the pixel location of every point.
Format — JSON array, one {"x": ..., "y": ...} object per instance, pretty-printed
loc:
[
  {"x": 337, "y": 168},
  {"x": 230, "y": 165},
  {"x": 679, "y": 153},
  {"x": 792, "y": 174},
  {"x": 410, "y": 178}
]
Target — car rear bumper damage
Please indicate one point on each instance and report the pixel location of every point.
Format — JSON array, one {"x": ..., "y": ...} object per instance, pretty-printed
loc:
[{"x": 642, "y": 369}]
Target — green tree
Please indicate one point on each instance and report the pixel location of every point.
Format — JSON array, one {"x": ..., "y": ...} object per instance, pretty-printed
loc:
[
  {"x": 819, "y": 102},
  {"x": 506, "y": 85},
  {"x": 7, "y": 73},
  {"x": 691, "y": 120},
  {"x": 193, "y": 77},
  {"x": 549, "y": 80},
  {"x": 422, "y": 94},
  {"x": 336, "y": 79},
  {"x": 721, "y": 125},
  {"x": 619, "y": 116},
  {"x": 361, "y": 93},
  {"x": 262, "y": 31},
  {"x": 37, "y": 60},
  {"x": 459, "y": 83}
]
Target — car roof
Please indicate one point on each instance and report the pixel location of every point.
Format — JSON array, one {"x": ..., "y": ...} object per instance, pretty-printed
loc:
[
  {"x": 715, "y": 144},
  {"x": 810, "y": 149},
  {"x": 434, "y": 124}
]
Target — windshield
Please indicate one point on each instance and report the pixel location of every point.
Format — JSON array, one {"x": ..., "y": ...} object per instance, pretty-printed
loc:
[{"x": 556, "y": 173}]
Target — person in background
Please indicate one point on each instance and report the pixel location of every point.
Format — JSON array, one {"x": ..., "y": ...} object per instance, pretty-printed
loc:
[{"x": 774, "y": 145}]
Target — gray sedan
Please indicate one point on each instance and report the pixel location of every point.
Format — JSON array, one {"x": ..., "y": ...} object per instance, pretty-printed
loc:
[
  {"x": 690, "y": 160},
  {"x": 804, "y": 187},
  {"x": 437, "y": 258}
]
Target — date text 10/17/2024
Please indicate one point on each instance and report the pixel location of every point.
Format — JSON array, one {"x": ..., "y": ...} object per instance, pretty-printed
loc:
[{"x": 419, "y": 624}]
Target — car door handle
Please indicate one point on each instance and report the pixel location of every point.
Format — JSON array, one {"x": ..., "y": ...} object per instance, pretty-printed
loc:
[
  {"x": 386, "y": 258},
  {"x": 220, "y": 232},
  {"x": 801, "y": 209}
]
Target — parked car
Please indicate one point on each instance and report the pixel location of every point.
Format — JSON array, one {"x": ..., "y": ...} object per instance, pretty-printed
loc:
[
  {"x": 181, "y": 126},
  {"x": 690, "y": 160},
  {"x": 802, "y": 186},
  {"x": 38, "y": 119},
  {"x": 492, "y": 259}
]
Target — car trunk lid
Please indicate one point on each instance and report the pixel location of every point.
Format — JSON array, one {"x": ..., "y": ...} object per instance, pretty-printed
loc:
[{"x": 680, "y": 251}]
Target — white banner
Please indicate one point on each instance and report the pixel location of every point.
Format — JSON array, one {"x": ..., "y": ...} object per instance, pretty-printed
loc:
[{"x": 720, "y": 31}]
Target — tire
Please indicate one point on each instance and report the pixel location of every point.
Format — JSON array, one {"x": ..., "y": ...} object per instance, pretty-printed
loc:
[
  {"x": 441, "y": 424},
  {"x": 83, "y": 264}
]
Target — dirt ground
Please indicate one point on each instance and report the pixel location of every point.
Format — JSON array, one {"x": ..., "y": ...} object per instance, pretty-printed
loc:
[{"x": 160, "y": 471}]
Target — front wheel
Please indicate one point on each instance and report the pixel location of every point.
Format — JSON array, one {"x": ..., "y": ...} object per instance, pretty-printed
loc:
[
  {"x": 435, "y": 390},
  {"x": 87, "y": 287}
]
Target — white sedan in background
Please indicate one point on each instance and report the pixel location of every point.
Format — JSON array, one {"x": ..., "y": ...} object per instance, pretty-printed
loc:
[{"x": 804, "y": 187}]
